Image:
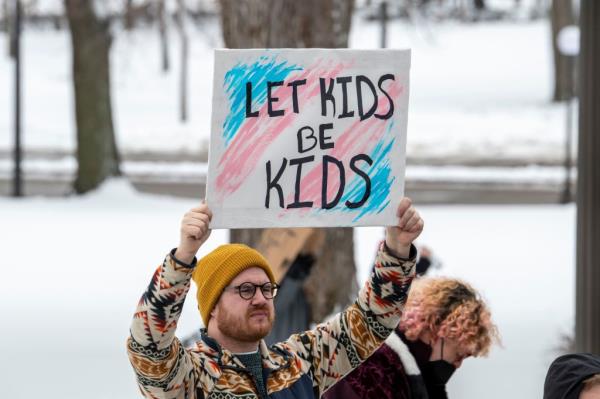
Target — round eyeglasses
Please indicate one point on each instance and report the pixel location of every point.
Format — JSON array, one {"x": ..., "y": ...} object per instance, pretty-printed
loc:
[{"x": 248, "y": 290}]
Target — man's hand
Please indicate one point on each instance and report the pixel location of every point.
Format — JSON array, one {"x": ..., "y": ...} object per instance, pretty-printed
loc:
[
  {"x": 194, "y": 232},
  {"x": 399, "y": 238}
]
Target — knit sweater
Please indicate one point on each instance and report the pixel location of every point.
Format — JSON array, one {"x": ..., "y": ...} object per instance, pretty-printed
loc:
[{"x": 303, "y": 366}]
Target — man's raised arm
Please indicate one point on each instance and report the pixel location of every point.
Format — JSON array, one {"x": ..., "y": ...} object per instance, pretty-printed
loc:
[
  {"x": 162, "y": 366},
  {"x": 338, "y": 346}
]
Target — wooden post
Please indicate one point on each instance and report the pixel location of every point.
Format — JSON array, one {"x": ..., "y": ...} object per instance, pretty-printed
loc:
[{"x": 587, "y": 314}]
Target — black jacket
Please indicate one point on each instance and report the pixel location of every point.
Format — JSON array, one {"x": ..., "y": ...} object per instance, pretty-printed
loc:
[{"x": 566, "y": 374}]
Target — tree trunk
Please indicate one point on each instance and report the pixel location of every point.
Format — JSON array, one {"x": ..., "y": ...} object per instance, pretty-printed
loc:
[
  {"x": 129, "y": 15},
  {"x": 291, "y": 24},
  {"x": 9, "y": 22},
  {"x": 479, "y": 4},
  {"x": 562, "y": 15},
  {"x": 5, "y": 21},
  {"x": 587, "y": 318},
  {"x": 96, "y": 145},
  {"x": 286, "y": 23},
  {"x": 162, "y": 29},
  {"x": 183, "y": 77}
]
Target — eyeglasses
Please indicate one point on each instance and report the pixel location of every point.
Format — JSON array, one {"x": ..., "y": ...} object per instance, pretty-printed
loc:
[{"x": 248, "y": 290}]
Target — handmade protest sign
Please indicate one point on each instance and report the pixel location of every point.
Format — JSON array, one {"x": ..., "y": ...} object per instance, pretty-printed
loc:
[{"x": 308, "y": 137}]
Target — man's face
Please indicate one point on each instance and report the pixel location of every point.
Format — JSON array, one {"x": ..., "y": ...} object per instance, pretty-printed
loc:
[
  {"x": 592, "y": 392},
  {"x": 245, "y": 320}
]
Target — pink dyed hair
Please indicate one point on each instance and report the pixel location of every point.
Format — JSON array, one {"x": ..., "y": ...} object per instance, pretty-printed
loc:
[{"x": 449, "y": 308}]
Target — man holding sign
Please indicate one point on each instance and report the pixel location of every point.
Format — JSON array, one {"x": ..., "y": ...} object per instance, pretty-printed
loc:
[
  {"x": 300, "y": 138},
  {"x": 235, "y": 297}
]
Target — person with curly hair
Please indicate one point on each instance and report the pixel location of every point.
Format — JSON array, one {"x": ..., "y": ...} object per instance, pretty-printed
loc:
[{"x": 444, "y": 322}]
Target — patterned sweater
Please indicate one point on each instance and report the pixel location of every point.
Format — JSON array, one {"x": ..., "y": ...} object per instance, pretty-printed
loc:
[{"x": 304, "y": 366}]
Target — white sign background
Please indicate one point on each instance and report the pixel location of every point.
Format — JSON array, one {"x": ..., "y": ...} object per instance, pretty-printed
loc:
[{"x": 308, "y": 137}]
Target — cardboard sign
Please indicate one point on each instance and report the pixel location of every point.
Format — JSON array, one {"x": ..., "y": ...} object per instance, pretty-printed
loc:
[
  {"x": 281, "y": 246},
  {"x": 308, "y": 137}
]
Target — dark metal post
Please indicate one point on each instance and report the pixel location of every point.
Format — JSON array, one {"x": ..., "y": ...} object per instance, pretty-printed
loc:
[
  {"x": 566, "y": 195},
  {"x": 17, "y": 178},
  {"x": 587, "y": 311},
  {"x": 383, "y": 16}
]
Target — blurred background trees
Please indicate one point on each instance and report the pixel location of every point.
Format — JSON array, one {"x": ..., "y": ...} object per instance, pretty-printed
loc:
[{"x": 97, "y": 156}]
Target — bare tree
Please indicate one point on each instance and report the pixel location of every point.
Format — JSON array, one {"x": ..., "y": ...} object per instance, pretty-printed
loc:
[
  {"x": 5, "y": 18},
  {"x": 587, "y": 314},
  {"x": 162, "y": 29},
  {"x": 96, "y": 145},
  {"x": 286, "y": 23},
  {"x": 129, "y": 15},
  {"x": 562, "y": 15},
  {"x": 8, "y": 23},
  {"x": 183, "y": 78},
  {"x": 291, "y": 23}
]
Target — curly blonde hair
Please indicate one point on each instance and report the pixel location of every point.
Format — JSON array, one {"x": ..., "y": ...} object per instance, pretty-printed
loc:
[{"x": 449, "y": 308}]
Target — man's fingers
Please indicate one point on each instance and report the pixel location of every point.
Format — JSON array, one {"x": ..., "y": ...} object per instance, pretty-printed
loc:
[
  {"x": 412, "y": 222},
  {"x": 202, "y": 208},
  {"x": 417, "y": 227},
  {"x": 405, "y": 203},
  {"x": 201, "y": 213},
  {"x": 196, "y": 217},
  {"x": 406, "y": 217}
]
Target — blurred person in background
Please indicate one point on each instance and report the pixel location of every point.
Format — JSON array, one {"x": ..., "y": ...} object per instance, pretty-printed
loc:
[
  {"x": 426, "y": 261},
  {"x": 444, "y": 322},
  {"x": 293, "y": 310},
  {"x": 573, "y": 376}
]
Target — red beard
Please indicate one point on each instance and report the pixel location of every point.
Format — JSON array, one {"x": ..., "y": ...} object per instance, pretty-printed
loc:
[{"x": 253, "y": 326}]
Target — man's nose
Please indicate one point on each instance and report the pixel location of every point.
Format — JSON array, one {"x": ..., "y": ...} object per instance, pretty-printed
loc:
[{"x": 258, "y": 297}]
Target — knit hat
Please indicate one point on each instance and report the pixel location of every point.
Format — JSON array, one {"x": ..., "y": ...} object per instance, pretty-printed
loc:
[{"x": 215, "y": 271}]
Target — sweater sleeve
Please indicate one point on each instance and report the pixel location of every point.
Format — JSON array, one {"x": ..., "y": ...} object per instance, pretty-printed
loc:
[
  {"x": 338, "y": 346},
  {"x": 164, "y": 369}
]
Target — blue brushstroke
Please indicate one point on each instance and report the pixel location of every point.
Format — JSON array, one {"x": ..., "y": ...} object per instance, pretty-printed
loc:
[
  {"x": 263, "y": 70},
  {"x": 381, "y": 182}
]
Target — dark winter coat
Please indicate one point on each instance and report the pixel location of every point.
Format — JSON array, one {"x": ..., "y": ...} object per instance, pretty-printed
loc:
[
  {"x": 392, "y": 372},
  {"x": 566, "y": 375}
]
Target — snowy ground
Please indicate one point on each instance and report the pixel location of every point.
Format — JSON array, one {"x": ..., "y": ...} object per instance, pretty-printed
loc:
[
  {"x": 478, "y": 91},
  {"x": 75, "y": 268}
]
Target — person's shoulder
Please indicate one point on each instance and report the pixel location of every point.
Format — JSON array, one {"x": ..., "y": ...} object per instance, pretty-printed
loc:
[{"x": 384, "y": 362}]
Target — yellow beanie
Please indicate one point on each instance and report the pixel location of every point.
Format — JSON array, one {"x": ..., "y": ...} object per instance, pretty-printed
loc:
[{"x": 215, "y": 271}]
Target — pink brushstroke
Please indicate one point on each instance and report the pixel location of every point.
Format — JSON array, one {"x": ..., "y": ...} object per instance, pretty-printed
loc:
[
  {"x": 256, "y": 134},
  {"x": 359, "y": 138}
]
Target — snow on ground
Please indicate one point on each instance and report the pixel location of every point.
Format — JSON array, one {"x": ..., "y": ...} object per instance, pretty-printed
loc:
[
  {"x": 477, "y": 90},
  {"x": 75, "y": 267}
]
